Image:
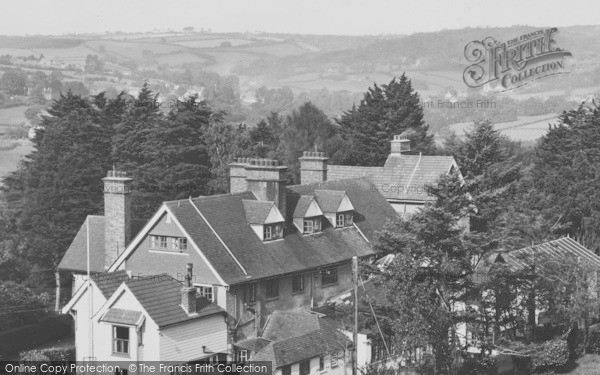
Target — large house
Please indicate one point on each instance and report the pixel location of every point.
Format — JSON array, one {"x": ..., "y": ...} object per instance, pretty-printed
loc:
[{"x": 263, "y": 248}]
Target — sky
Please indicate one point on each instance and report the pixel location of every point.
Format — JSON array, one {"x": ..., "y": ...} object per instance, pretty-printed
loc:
[{"x": 340, "y": 17}]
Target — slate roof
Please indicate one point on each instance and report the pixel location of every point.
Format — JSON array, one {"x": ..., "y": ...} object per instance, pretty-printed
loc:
[
  {"x": 257, "y": 211},
  {"x": 557, "y": 250},
  {"x": 402, "y": 177},
  {"x": 227, "y": 226},
  {"x": 109, "y": 282},
  {"x": 160, "y": 297},
  {"x": 122, "y": 316},
  {"x": 329, "y": 200},
  {"x": 295, "y": 336},
  {"x": 302, "y": 206},
  {"x": 75, "y": 259}
]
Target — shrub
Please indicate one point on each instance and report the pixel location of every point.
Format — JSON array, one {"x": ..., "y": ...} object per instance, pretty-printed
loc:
[
  {"x": 593, "y": 345},
  {"x": 551, "y": 356}
]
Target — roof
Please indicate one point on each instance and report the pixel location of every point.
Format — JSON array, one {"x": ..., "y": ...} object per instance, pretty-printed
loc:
[
  {"x": 297, "y": 335},
  {"x": 122, "y": 316},
  {"x": 218, "y": 225},
  {"x": 302, "y": 205},
  {"x": 557, "y": 250},
  {"x": 253, "y": 344},
  {"x": 402, "y": 177},
  {"x": 75, "y": 259},
  {"x": 109, "y": 282},
  {"x": 257, "y": 211},
  {"x": 160, "y": 297},
  {"x": 329, "y": 200}
]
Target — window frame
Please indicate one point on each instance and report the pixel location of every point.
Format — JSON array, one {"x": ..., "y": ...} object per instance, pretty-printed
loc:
[
  {"x": 274, "y": 231},
  {"x": 117, "y": 341},
  {"x": 179, "y": 244},
  {"x": 340, "y": 217},
  {"x": 250, "y": 293},
  {"x": 298, "y": 276},
  {"x": 306, "y": 364},
  {"x": 328, "y": 272},
  {"x": 156, "y": 242},
  {"x": 203, "y": 291},
  {"x": 270, "y": 286}
]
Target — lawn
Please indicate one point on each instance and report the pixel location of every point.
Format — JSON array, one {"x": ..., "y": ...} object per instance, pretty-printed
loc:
[
  {"x": 12, "y": 115},
  {"x": 589, "y": 364},
  {"x": 10, "y": 159}
]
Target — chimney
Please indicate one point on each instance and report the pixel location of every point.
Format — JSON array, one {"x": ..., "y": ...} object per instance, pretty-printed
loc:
[
  {"x": 117, "y": 215},
  {"x": 313, "y": 167},
  {"x": 188, "y": 293},
  {"x": 266, "y": 179},
  {"x": 237, "y": 175},
  {"x": 400, "y": 145}
]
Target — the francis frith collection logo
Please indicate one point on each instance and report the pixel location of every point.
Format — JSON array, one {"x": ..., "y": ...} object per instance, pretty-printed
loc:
[{"x": 515, "y": 62}]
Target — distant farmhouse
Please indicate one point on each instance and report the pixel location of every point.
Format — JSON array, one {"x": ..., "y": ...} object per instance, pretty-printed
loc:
[{"x": 264, "y": 255}]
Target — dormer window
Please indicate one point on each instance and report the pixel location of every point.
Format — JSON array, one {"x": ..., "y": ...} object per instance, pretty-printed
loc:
[
  {"x": 312, "y": 225},
  {"x": 343, "y": 219},
  {"x": 272, "y": 231}
]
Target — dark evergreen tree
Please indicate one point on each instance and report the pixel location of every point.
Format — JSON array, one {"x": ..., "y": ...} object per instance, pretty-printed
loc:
[{"x": 384, "y": 111}]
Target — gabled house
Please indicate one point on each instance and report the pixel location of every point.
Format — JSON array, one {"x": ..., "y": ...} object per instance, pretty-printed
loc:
[
  {"x": 118, "y": 317},
  {"x": 401, "y": 180}
]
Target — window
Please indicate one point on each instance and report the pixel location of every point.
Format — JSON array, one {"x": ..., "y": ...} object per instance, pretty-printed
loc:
[
  {"x": 339, "y": 221},
  {"x": 321, "y": 362},
  {"x": 349, "y": 218},
  {"x": 286, "y": 370},
  {"x": 312, "y": 225},
  {"x": 329, "y": 276},
  {"x": 179, "y": 244},
  {"x": 121, "y": 340},
  {"x": 272, "y": 287},
  {"x": 158, "y": 242},
  {"x": 250, "y": 293},
  {"x": 206, "y": 292},
  {"x": 334, "y": 360},
  {"x": 272, "y": 231},
  {"x": 297, "y": 283},
  {"x": 305, "y": 367}
]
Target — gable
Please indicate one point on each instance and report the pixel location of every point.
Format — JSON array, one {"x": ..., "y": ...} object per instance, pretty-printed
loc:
[
  {"x": 274, "y": 216},
  {"x": 166, "y": 227},
  {"x": 345, "y": 205}
]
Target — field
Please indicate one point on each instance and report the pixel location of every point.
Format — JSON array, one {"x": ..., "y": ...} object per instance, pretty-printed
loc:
[
  {"x": 10, "y": 159},
  {"x": 526, "y": 128},
  {"x": 12, "y": 115},
  {"x": 589, "y": 364}
]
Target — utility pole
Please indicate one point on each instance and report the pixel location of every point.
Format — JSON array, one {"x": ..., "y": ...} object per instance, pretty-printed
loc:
[{"x": 355, "y": 327}]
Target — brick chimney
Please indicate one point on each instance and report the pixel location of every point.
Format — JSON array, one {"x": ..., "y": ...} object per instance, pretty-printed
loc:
[
  {"x": 237, "y": 175},
  {"x": 188, "y": 293},
  {"x": 400, "y": 145},
  {"x": 117, "y": 215},
  {"x": 313, "y": 167},
  {"x": 266, "y": 179}
]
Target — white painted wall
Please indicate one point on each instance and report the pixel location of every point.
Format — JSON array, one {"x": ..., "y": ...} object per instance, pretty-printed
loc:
[{"x": 183, "y": 342}]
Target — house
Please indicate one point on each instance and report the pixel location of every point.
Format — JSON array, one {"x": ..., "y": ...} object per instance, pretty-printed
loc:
[
  {"x": 260, "y": 250},
  {"x": 118, "y": 317},
  {"x": 403, "y": 177},
  {"x": 303, "y": 342}
]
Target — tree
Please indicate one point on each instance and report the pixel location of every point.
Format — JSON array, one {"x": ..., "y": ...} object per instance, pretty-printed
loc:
[
  {"x": 47, "y": 197},
  {"x": 488, "y": 161},
  {"x": 225, "y": 142},
  {"x": 384, "y": 111},
  {"x": 304, "y": 129},
  {"x": 76, "y": 88},
  {"x": 93, "y": 64},
  {"x": 429, "y": 282},
  {"x": 14, "y": 82}
]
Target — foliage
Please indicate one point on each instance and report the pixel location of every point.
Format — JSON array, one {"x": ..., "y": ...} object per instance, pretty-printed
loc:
[
  {"x": 430, "y": 277},
  {"x": 384, "y": 111},
  {"x": 14, "y": 82},
  {"x": 93, "y": 64},
  {"x": 19, "y": 305},
  {"x": 551, "y": 356},
  {"x": 593, "y": 345}
]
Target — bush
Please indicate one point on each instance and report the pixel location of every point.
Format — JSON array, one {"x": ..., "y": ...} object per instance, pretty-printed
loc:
[
  {"x": 50, "y": 354},
  {"x": 21, "y": 304},
  {"x": 593, "y": 345},
  {"x": 551, "y": 356}
]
